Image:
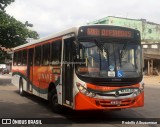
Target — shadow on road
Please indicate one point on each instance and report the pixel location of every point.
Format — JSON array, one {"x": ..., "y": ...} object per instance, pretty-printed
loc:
[{"x": 34, "y": 98}]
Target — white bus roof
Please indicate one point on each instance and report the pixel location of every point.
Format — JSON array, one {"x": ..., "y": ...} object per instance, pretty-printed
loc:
[
  {"x": 71, "y": 30},
  {"x": 59, "y": 34}
]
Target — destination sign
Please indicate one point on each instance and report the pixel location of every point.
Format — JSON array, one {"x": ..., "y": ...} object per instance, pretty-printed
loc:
[{"x": 109, "y": 33}]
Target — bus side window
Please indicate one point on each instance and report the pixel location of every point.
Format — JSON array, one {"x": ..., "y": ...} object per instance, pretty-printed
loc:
[
  {"x": 46, "y": 54},
  {"x": 15, "y": 58},
  {"x": 56, "y": 52},
  {"x": 38, "y": 55},
  {"x": 20, "y": 58},
  {"x": 24, "y": 57}
]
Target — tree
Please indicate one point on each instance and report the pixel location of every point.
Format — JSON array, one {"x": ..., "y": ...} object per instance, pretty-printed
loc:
[
  {"x": 13, "y": 32},
  {"x": 5, "y": 3}
]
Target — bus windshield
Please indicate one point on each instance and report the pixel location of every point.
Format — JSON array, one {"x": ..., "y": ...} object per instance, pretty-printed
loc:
[{"x": 110, "y": 59}]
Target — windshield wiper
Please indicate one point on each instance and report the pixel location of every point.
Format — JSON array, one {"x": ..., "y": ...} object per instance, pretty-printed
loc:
[
  {"x": 122, "y": 53},
  {"x": 102, "y": 48}
]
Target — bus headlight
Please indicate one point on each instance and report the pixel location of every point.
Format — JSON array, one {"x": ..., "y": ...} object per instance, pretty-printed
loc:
[
  {"x": 138, "y": 91},
  {"x": 84, "y": 90}
]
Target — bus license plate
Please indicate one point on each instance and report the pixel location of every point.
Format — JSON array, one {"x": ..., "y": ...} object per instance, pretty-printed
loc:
[{"x": 115, "y": 102}]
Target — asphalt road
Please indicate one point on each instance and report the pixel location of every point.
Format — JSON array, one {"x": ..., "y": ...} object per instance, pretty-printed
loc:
[{"x": 12, "y": 105}]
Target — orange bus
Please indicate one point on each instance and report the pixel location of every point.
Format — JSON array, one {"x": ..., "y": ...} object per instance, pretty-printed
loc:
[{"x": 92, "y": 67}]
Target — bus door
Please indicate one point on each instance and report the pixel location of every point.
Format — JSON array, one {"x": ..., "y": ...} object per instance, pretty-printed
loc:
[
  {"x": 30, "y": 69},
  {"x": 67, "y": 70}
]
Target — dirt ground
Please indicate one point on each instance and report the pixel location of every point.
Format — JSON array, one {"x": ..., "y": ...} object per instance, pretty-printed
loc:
[{"x": 151, "y": 80}]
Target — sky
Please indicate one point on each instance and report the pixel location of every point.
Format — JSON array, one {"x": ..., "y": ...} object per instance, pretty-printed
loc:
[{"x": 52, "y": 16}]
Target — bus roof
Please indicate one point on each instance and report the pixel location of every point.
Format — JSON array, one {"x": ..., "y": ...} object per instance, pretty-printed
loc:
[
  {"x": 59, "y": 34},
  {"x": 63, "y": 33}
]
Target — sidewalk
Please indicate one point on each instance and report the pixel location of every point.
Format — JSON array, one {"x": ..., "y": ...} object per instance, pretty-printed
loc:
[{"x": 151, "y": 80}]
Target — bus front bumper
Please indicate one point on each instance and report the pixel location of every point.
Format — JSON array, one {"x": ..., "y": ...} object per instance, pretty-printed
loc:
[{"x": 83, "y": 102}]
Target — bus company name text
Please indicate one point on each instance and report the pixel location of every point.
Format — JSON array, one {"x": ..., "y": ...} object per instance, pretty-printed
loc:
[{"x": 47, "y": 77}]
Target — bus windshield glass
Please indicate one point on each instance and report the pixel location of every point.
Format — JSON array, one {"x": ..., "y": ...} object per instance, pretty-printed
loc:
[{"x": 110, "y": 59}]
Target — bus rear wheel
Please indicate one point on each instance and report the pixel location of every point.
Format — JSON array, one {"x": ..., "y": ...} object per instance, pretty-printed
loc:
[
  {"x": 53, "y": 102},
  {"x": 21, "y": 91}
]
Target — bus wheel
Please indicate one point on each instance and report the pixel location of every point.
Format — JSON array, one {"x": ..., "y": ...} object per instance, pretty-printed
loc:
[
  {"x": 21, "y": 91},
  {"x": 53, "y": 101}
]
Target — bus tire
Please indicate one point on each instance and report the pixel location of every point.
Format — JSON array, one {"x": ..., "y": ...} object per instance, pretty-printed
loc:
[
  {"x": 53, "y": 102},
  {"x": 21, "y": 91}
]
